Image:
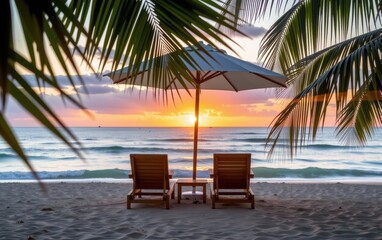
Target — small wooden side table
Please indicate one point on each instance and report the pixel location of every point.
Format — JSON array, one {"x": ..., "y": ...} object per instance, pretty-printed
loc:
[{"x": 192, "y": 183}]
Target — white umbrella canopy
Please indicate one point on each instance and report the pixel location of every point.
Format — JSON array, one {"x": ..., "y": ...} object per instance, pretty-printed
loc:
[
  {"x": 217, "y": 70},
  {"x": 211, "y": 69}
]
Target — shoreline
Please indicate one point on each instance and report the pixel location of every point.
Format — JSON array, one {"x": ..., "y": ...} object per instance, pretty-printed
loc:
[{"x": 366, "y": 181}]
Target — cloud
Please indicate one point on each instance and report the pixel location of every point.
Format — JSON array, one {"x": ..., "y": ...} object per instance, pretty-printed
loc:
[
  {"x": 116, "y": 104},
  {"x": 97, "y": 53},
  {"x": 96, "y": 89},
  {"x": 252, "y": 30},
  {"x": 64, "y": 81},
  {"x": 93, "y": 84}
]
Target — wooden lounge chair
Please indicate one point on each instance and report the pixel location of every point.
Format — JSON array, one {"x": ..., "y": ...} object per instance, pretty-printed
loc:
[
  {"x": 151, "y": 177},
  {"x": 231, "y": 176}
]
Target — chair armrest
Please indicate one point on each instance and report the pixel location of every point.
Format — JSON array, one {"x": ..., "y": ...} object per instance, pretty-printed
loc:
[
  {"x": 170, "y": 173},
  {"x": 211, "y": 173},
  {"x": 251, "y": 173},
  {"x": 130, "y": 175}
]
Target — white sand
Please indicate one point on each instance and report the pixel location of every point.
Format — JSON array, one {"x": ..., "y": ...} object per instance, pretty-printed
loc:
[{"x": 283, "y": 211}]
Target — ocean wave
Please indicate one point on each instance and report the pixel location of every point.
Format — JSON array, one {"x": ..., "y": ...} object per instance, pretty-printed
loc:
[
  {"x": 253, "y": 140},
  {"x": 260, "y": 172},
  {"x": 41, "y": 157},
  {"x": 179, "y": 140},
  {"x": 312, "y": 172},
  {"x": 327, "y": 146},
  {"x": 322, "y": 146},
  {"x": 120, "y": 149},
  {"x": 317, "y": 146},
  {"x": 7, "y": 155},
  {"x": 246, "y": 133},
  {"x": 373, "y": 162},
  {"x": 74, "y": 174},
  {"x": 91, "y": 139},
  {"x": 306, "y": 160}
]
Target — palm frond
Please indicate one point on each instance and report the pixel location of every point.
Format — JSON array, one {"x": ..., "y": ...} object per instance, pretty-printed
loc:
[
  {"x": 152, "y": 29},
  {"x": 272, "y": 45},
  {"x": 308, "y": 69},
  {"x": 335, "y": 72},
  {"x": 253, "y": 10},
  {"x": 41, "y": 27},
  {"x": 125, "y": 32},
  {"x": 10, "y": 138},
  {"x": 312, "y": 25},
  {"x": 363, "y": 113},
  {"x": 5, "y": 44},
  {"x": 327, "y": 49}
]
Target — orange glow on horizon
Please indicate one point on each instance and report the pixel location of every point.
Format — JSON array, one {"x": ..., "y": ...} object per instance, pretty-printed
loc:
[
  {"x": 217, "y": 109},
  {"x": 232, "y": 116}
]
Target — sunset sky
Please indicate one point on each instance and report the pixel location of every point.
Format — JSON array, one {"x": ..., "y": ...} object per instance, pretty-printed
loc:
[{"x": 116, "y": 105}]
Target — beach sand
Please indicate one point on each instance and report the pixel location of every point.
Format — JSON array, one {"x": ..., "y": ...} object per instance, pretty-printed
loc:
[{"x": 283, "y": 211}]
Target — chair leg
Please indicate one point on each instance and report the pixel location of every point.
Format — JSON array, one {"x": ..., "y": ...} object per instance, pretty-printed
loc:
[
  {"x": 167, "y": 202},
  {"x": 128, "y": 202},
  {"x": 213, "y": 201},
  {"x": 252, "y": 201}
]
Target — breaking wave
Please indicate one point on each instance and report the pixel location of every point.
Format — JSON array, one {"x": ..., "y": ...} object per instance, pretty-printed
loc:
[{"x": 260, "y": 172}]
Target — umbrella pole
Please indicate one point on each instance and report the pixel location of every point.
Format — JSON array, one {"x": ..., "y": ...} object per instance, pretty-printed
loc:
[
  {"x": 194, "y": 194},
  {"x": 196, "y": 129}
]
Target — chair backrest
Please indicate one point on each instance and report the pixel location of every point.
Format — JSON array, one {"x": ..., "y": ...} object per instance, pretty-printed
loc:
[
  {"x": 150, "y": 171},
  {"x": 232, "y": 170}
]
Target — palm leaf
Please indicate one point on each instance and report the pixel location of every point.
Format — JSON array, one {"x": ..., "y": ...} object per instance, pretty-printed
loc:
[
  {"x": 335, "y": 76},
  {"x": 312, "y": 25},
  {"x": 11, "y": 140},
  {"x": 363, "y": 113},
  {"x": 151, "y": 30},
  {"x": 328, "y": 50},
  {"x": 308, "y": 69},
  {"x": 125, "y": 32},
  {"x": 41, "y": 25}
]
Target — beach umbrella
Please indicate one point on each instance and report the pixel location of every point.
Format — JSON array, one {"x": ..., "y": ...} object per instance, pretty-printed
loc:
[{"x": 211, "y": 69}]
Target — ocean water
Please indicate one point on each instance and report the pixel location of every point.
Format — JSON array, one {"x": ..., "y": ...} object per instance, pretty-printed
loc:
[{"x": 107, "y": 150}]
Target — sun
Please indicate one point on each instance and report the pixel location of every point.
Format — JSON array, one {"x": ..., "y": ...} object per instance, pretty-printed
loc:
[{"x": 192, "y": 119}]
